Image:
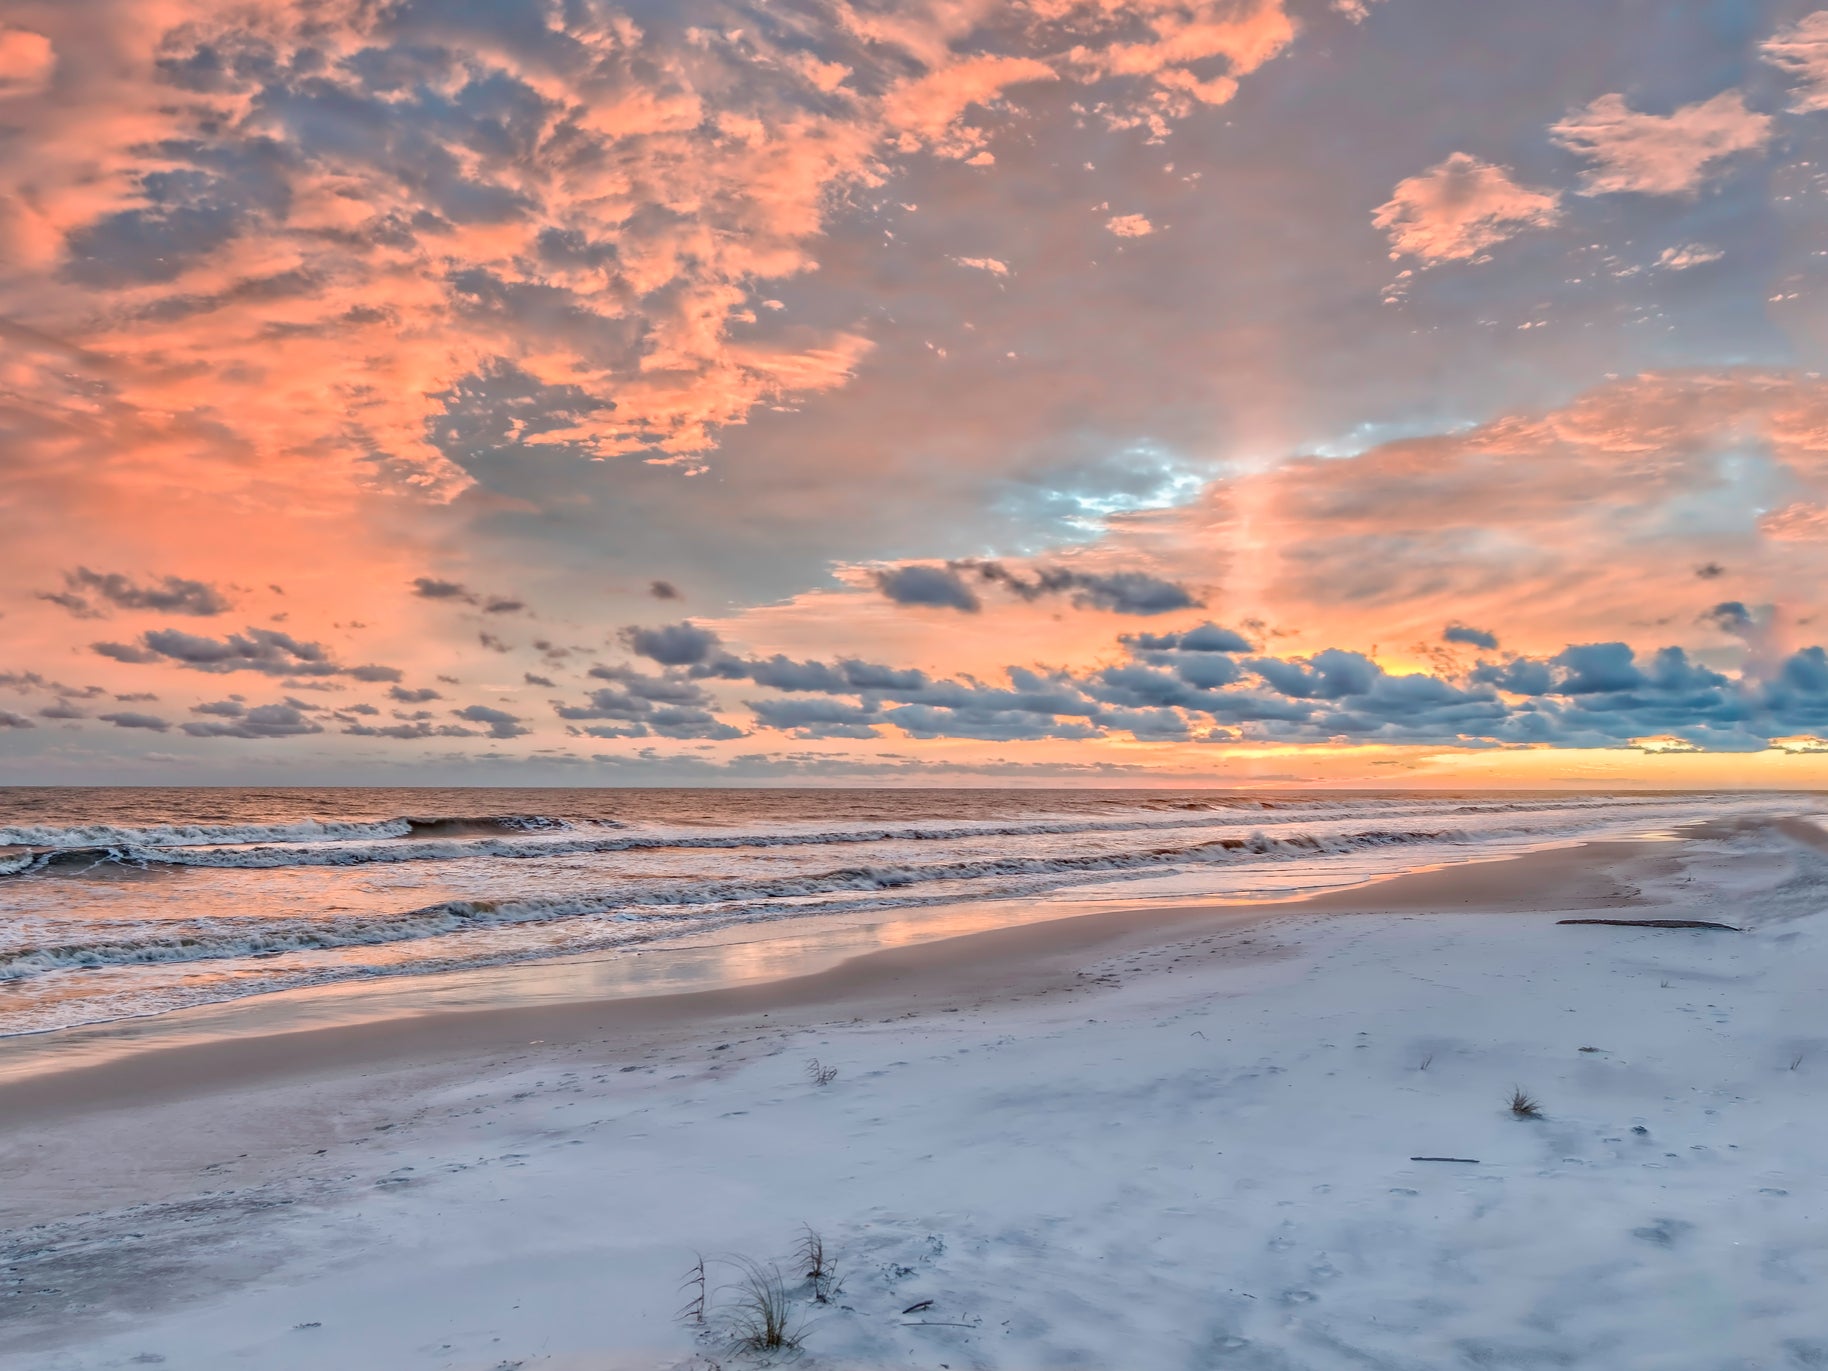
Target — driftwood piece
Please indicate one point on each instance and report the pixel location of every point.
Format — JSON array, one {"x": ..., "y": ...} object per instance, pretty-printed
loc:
[
  {"x": 916, "y": 1308},
  {"x": 1472, "y": 1161},
  {"x": 1654, "y": 923}
]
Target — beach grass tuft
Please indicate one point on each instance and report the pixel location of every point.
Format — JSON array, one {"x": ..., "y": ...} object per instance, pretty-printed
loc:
[
  {"x": 1523, "y": 1105},
  {"x": 760, "y": 1315},
  {"x": 819, "y": 1268}
]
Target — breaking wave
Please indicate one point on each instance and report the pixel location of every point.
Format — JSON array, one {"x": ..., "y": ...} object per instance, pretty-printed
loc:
[
  {"x": 739, "y": 899},
  {"x": 520, "y": 837}
]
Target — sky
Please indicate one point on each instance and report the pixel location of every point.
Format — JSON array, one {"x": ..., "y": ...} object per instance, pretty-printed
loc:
[{"x": 1362, "y": 393}]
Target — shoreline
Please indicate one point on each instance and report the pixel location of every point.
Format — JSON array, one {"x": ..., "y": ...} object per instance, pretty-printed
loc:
[
  {"x": 1026, "y": 1124},
  {"x": 138, "y": 1063}
]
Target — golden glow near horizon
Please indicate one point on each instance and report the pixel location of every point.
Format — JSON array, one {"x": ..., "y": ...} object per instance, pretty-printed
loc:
[{"x": 1052, "y": 392}]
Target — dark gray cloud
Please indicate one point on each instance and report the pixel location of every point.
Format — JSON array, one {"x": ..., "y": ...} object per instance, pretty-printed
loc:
[
  {"x": 1729, "y": 616},
  {"x": 125, "y": 652},
  {"x": 407, "y": 732},
  {"x": 1204, "y": 638},
  {"x": 8, "y": 719},
  {"x": 1194, "y": 685},
  {"x": 681, "y": 644},
  {"x": 62, "y": 709},
  {"x": 664, "y": 590},
  {"x": 128, "y": 719},
  {"x": 456, "y": 592},
  {"x": 818, "y": 718},
  {"x": 1470, "y": 637},
  {"x": 262, "y": 721},
  {"x": 263, "y": 650},
  {"x": 83, "y": 588},
  {"x": 24, "y": 682},
  {"x": 952, "y": 586},
  {"x": 500, "y": 723},
  {"x": 638, "y": 704},
  {"x": 938, "y": 586},
  {"x": 413, "y": 697}
]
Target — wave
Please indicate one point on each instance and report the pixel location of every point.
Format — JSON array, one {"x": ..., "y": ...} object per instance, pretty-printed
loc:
[
  {"x": 33, "y": 847},
  {"x": 625, "y": 903},
  {"x": 523, "y": 837},
  {"x": 74, "y": 836}
]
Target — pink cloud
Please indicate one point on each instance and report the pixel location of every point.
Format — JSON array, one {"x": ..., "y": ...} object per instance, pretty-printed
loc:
[
  {"x": 1460, "y": 207},
  {"x": 1130, "y": 226},
  {"x": 1659, "y": 154},
  {"x": 1801, "y": 53},
  {"x": 925, "y": 111},
  {"x": 27, "y": 60}
]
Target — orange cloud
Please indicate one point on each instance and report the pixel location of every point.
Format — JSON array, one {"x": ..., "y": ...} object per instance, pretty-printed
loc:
[{"x": 1460, "y": 207}]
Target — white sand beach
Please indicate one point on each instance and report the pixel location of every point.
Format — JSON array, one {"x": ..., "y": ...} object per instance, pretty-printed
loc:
[{"x": 1180, "y": 1140}]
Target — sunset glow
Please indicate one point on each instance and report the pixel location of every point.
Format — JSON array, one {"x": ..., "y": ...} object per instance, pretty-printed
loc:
[{"x": 1226, "y": 392}]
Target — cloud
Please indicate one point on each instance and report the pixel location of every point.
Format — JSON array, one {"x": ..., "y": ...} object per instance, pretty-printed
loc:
[
  {"x": 313, "y": 238},
  {"x": 1801, "y": 744},
  {"x": 261, "y": 722},
  {"x": 1659, "y": 154},
  {"x": 125, "y": 652},
  {"x": 663, "y": 590},
  {"x": 431, "y": 588},
  {"x": 413, "y": 697},
  {"x": 1165, "y": 41},
  {"x": 1460, "y": 207},
  {"x": 926, "y": 109},
  {"x": 128, "y": 719},
  {"x": 682, "y": 644},
  {"x": 1129, "y": 226},
  {"x": 1470, "y": 637},
  {"x": 1688, "y": 256},
  {"x": 9, "y": 719},
  {"x": 1588, "y": 695},
  {"x": 1801, "y": 53},
  {"x": 1120, "y": 592},
  {"x": 956, "y": 584},
  {"x": 989, "y": 264},
  {"x": 940, "y": 587},
  {"x": 500, "y": 722},
  {"x": 171, "y": 594},
  {"x": 27, "y": 61},
  {"x": 1205, "y": 638},
  {"x": 1799, "y": 522},
  {"x": 409, "y": 732},
  {"x": 639, "y": 705},
  {"x": 818, "y": 718},
  {"x": 265, "y": 650}
]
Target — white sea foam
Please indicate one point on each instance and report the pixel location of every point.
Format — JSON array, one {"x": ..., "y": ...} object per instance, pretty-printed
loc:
[{"x": 104, "y": 919}]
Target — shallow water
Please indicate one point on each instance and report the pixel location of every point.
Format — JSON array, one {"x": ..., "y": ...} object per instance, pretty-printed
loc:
[{"x": 126, "y": 902}]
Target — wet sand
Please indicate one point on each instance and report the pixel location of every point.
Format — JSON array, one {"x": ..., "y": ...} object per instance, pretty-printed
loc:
[{"x": 972, "y": 969}]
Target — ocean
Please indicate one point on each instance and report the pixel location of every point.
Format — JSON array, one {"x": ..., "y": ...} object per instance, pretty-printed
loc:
[{"x": 127, "y": 902}]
